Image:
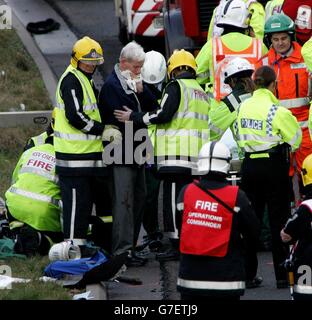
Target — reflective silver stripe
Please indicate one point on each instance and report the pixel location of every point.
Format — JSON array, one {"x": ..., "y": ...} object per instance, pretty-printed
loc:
[
  {"x": 87, "y": 107},
  {"x": 39, "y": 172},
  {"x": 212, "y": 285},
  {"x": 295, "y": 138},
  {"x": 83, "y": 84},
  {"x": 185, "y": 94},
  {"x": 303, "y": 124},
  {"x": 212, "y": 127},
  {"x": 73, "y": 214},
  {"x": 76, "y": 137},
  {"x": 294, "y": 103},
  {"x": 180, "y": 206},
  {"x": 259, "y": 48},
  {"x": 80, "y": 163},
  {"x": 255, "y": 137},
  {"x": 41, "y": 138},
  {"x": 244, "y": 96},
  {"x": 203, "y": 75},
  {"x": 233, "y": 101},
  {"x": 173, "y": 209},
  {"x": 35, "y": 196},
  {"x": 303, "y": 289},
  {"x": 203, "y": 134},
  {"x": 191, "y": 115},
  {"x": 178, "y": 162}
]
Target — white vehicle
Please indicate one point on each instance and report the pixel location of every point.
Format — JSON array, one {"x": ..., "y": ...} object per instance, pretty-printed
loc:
[{"x": 139, "y": 18}]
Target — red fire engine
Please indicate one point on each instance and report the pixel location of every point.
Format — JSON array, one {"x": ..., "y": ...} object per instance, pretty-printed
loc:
[{"x": 186, "y": 23}]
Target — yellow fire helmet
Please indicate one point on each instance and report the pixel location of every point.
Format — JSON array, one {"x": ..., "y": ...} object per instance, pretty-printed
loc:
[
  {"x": 87, "y": 51},
  {"x": 179, "y": 59},
  {"x": 306, "y": 170}
]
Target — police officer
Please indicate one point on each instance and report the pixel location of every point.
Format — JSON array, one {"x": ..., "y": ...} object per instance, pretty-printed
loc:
[
  {"x": 78, "y": 138},
  {"x": 298, "y": 231},
  {"x": 216, "y": 217},
  {"x": 265, "y": 133},
  {"x": 181, "y": 130},
  {"x": 216, "y": 53}
]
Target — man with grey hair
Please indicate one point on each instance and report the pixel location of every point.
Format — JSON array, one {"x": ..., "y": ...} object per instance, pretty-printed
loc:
[{"x": 124, "y": 88}]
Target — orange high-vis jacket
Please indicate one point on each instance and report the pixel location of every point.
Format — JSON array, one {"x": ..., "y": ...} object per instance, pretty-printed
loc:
[
  {"x": 222, "y": 55},
  {"x": 293, "y": 82}
]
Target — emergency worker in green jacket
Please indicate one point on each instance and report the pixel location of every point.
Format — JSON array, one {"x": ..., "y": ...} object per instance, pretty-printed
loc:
[
  {"x": 34, "y": 201},
  {"x": 256, "y": 16}
]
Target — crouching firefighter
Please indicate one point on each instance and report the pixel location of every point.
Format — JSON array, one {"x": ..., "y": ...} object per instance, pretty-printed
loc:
[
  {"x": 33, "y": 201},
  {"x": 215, "y": 217},
  {"x": 298, "y": 230}
]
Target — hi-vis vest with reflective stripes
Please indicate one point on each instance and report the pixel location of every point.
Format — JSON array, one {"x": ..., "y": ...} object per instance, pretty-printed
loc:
[
  {"x": 34, "y": 198},
  {"x": 178, "y": 142},
  {"x": 222, "y": 55},
  {"x": 40, "y": 139},
  {"x": 255, "y": 124},
  {"x": 70, "y": 140},
  {"x": 293, "y": 82}
]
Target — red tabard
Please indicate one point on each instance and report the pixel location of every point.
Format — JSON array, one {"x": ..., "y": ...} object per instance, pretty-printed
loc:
[{"x": 207, "y": 224}]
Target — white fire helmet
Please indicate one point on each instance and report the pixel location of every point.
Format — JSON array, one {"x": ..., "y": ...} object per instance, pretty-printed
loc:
[
  {"x": 154, "y": 68},
  {"x": 236, "y": 66},
  {"x": 214, "y": 156},
  {"x": 234, "y": 13}
]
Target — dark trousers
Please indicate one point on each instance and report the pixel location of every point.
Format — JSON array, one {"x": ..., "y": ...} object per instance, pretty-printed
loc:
[
  {"x": 128, "y": 192},
  {"x": 171, "y": 191},
  {"x": 150, "y": 217},
  {"x": 78, "y": 198},
  {"x": 265, "y": 181}
]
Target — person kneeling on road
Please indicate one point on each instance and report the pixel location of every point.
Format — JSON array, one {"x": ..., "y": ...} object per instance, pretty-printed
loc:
[{"x": 215, "y": 218}]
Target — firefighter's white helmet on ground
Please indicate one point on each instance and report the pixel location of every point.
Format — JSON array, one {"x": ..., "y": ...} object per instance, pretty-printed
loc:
[
  {"x": 238, "y": 67},
  {"x": 214, "y": 156},
  {"x": 234, "y": 13},
  {"x": 154, "y": 68}
]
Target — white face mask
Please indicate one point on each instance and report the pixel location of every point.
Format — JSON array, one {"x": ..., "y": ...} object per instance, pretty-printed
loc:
[{"x": 127, "y": 74}]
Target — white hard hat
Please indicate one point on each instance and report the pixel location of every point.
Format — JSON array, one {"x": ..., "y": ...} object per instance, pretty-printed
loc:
[
  {"x": 154, "y": 68},
  {"x": 214, "y": 156},
  {"x": 234, "y": 13},
  {"x": 236, "y": 66}
]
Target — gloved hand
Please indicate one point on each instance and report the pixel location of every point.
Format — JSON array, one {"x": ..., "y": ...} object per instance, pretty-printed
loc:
[{"x": 112, "y": 134}]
